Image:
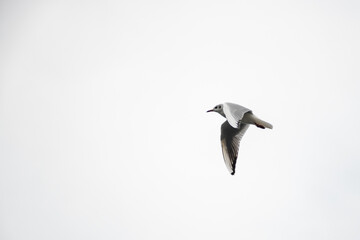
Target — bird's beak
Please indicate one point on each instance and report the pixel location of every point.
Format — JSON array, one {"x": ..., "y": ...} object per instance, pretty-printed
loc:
[{"x": 211, "y": 110}]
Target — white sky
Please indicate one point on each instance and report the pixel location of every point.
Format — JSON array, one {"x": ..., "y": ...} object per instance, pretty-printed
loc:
[{"x": 104, "y": 135}]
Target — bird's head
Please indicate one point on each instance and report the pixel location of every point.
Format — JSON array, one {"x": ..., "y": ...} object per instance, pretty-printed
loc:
[{"x": 219, "y": 109}]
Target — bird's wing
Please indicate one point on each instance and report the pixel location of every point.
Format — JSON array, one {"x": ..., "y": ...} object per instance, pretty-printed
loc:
[
  {"x": 234, "y": 113},
  {"x": 230, "y": 141}
]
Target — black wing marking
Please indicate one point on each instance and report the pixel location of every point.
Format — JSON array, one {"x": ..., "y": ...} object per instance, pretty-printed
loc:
[{"x": 230, "y": 141}]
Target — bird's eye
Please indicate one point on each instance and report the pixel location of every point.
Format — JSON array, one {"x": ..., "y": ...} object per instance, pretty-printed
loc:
[{"x": 219, "y": 106}]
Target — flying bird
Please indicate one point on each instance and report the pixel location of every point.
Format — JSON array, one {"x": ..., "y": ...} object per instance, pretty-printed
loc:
[{"x": 238, "y": 120}]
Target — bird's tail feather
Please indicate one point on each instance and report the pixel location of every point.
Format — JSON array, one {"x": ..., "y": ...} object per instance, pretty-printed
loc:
[
  {"x": 250, "y": 118},
  {"x": 262, "y": 124}
]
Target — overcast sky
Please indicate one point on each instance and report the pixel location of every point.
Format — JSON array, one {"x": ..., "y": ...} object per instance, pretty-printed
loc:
[{"x": 104, "y": 132}]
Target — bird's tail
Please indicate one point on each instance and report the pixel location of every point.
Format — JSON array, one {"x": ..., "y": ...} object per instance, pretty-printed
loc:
[
  {"x": 250, "y": 118},
  {"x": 261, "y": 124}
]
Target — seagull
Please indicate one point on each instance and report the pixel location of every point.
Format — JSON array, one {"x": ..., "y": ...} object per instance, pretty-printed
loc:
[{"x": 238, "y": 120}]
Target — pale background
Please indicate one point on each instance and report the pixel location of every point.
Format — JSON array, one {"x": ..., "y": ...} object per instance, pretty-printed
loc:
[{"x": 104, "y": 132}]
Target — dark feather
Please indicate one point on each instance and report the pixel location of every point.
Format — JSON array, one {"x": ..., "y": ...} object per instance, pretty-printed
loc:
[{"x": 230, "y": 141}]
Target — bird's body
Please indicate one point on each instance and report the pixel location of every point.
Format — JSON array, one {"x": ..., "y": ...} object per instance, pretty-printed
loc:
[{"x": 238, "y": 119}]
